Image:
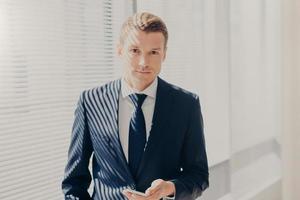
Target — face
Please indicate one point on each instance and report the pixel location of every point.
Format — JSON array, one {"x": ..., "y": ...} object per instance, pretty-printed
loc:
[{"x": 142, "y": 55}]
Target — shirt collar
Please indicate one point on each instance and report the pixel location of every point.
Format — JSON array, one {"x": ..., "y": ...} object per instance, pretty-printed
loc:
[{"x": 149, "y": 91}]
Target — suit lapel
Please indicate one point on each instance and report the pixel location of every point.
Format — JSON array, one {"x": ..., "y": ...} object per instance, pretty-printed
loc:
[
  {"x": 112, "y": 94},
  {"x": 163, "y": 105}
]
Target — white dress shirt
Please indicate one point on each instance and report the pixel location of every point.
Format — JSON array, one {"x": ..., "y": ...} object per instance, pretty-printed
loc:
[{"x": 126, "y": 109}]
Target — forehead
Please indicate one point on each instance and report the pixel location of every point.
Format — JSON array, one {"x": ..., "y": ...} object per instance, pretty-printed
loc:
[{"x": 143, "y": 39}]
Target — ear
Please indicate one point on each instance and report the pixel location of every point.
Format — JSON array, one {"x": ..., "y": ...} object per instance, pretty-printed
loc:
[
  {"x": 165, "y": 53},
  {"x": 119, "y": 49}
]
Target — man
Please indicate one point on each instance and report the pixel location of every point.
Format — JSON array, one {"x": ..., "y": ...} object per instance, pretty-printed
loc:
[{"x": 145, "y": 134}]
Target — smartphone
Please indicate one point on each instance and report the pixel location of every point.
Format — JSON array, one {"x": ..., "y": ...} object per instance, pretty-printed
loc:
[{"x": 136, "y": 192}]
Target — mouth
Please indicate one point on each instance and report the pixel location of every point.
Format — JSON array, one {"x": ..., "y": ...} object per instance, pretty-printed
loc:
[{"x": 143, "y": 72}]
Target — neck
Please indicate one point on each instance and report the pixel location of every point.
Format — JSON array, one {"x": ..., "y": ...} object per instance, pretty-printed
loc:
[{"x": 137, "y": 85}]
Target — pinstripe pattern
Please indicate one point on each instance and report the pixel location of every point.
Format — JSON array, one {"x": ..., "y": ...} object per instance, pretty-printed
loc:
[{"x": 95, "y": 129}]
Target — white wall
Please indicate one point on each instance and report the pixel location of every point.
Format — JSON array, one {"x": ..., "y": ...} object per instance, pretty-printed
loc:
[
  {"x": 256, "y": 111},
  {"x": 291, "y": 99}
]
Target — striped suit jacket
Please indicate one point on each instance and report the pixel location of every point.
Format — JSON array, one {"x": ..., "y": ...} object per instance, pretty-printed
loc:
[{"x": 175, "y": 149}]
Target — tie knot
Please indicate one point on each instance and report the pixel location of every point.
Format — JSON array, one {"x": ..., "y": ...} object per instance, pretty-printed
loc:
[{"x": 137, "y": 99}]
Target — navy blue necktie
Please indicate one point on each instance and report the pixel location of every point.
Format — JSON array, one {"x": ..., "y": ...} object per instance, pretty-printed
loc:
[{"x": 137, "y": 133}]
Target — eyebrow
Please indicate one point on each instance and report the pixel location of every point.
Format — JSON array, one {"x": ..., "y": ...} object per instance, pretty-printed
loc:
[
  {"x": 156, "y": 48},
  {"x": 134, "y": 46}
]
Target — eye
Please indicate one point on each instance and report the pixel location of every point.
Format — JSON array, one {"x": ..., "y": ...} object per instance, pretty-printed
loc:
[
  {"x": 154, "y": 52},
  {"x": 135, "y": 50}
]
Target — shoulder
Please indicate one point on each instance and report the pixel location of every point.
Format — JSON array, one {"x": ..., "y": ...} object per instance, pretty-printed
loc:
[
  {"x": 179, "y": 93},
  {"x": 110, "y": 89}
]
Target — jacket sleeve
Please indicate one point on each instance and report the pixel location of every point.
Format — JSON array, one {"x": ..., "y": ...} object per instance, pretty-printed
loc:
[
  {"x": 194, "y": 176},
  {"x": 77, "y": 177}
]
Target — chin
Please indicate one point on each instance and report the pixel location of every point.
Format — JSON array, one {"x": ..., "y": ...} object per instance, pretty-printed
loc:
[
  {"x": 144, "y": 76},
  {"x": 145, "y": 80}
]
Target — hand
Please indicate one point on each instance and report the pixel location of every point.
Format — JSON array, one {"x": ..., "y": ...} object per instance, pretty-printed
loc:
[{"x": 159, "y": 189}]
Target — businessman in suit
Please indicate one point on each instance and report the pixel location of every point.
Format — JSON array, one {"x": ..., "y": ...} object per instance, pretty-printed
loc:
[{"x": 142, "y": 132}]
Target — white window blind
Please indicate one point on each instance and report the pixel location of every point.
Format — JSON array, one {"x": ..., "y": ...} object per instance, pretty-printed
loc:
[{"x": 49, "y": 52}]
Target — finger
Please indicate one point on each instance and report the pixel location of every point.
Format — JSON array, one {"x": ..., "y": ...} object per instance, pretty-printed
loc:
[
  {"x": 138, "y": 197},
  {"x": 151, "y": 191},
  {"x": 133, "y": 196},
  {"x": 156, "y": 182},
  {"x": 127, "y": 194},
  {"x": 155, "y": 185},
  {"x": 155, "y": 194}
]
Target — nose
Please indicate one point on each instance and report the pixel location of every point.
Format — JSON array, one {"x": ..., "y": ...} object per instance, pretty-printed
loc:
[{"x": 142, "y": 61}]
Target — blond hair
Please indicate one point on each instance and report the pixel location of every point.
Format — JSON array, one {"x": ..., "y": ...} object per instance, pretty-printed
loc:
[{"x": 146, "y": 22}]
